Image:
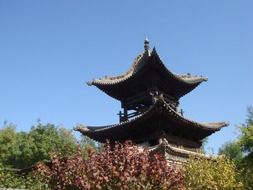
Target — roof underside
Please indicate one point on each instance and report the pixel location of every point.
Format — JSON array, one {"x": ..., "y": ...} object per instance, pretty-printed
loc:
[
  {"x": 159, "y": 118},
  {"x": 147, "y": 71}
]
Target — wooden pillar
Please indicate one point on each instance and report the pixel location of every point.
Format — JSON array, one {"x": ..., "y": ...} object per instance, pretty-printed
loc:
[{"x": 125, "y": 114}]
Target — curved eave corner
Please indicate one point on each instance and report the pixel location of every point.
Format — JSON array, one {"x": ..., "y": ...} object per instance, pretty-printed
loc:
[
  {"x": 193, "y": 79},
  {"x": 112, "y": 80},
  {"x": 82, "y": 129},
  {"x": 215, "y": 125},
  {"x": 188, "y": 78}
]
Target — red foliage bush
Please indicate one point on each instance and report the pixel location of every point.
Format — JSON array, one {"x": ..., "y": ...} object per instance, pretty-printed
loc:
[{"x": 124, "y": 166}]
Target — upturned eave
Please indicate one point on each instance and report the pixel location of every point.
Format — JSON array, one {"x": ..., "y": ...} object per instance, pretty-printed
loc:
[
  {"x": 147, "y": 62},
  {"x": 141, "y": 125}
]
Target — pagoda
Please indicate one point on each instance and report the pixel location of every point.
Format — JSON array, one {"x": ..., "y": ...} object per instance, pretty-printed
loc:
[{"x": 149, "y": 94}]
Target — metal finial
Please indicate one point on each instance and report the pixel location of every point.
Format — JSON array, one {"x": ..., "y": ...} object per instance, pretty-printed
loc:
[{"x": 146, "y": 44}]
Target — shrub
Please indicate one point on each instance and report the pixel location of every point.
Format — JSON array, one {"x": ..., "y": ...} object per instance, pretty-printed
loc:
[
  {"x": 118, "y": 166},
  {"x": 211, "y": 174},
  {"x": 11, "y": 179}
]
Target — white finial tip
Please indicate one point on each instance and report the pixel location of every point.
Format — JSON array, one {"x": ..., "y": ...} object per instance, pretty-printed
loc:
[{"x": 146, "y": 44}]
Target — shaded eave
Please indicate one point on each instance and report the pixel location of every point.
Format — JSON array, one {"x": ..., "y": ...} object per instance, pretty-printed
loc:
[
  {"x": 146, "y": 61},
  {"x": 169, "y": 149},
  {"x": 139, "y": 125}
]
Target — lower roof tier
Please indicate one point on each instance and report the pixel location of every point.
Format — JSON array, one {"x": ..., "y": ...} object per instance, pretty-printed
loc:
[
  {"x": 160, "y": 118},
  {"x": 173, "y": 154}
]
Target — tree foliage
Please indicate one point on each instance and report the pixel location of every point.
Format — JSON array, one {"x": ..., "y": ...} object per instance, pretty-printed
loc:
[
  {"x": 211, "y": 174},
  {"x": 21, "y": 149},
  {"x": 232, "y": 150},
  {"x": 122, "y": 167},
  {"x": 249, "y": 120},
  {"x": 11, "y": 179},
  {"x": 246, "y": 140},
  {"x": 8, "y": 141},
  {"x": 241, "y": 151},
  {"x": 246, "y": 137}
]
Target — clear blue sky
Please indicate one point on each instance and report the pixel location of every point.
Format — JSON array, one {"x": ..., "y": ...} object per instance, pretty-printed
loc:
[{"x": 49, "y": 49}]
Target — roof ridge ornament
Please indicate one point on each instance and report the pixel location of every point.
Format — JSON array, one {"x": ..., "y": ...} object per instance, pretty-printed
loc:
[{"x": 146, "y": 44}]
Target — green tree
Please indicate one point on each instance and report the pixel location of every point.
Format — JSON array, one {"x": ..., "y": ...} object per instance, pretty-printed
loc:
[
  {"x": 8, "y": 141},
  {"x": 232, "y": 150},
  {"x": 241, "y": 150},
  {"x": 246, "y": 140},
  {"x": 48, "y": 138},
  {"x": 246, "y": 137},
  {"x": 249, "y": 120},
  {"x": 211, "y": 174},
  {"x": 21, "y": 149},
  {"x": 11, "y": 179}
]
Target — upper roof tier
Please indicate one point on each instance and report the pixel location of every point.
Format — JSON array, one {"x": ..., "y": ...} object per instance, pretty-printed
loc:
[
  {"x": 147, "y": 72},
  {"x": 160, "y": 117}
]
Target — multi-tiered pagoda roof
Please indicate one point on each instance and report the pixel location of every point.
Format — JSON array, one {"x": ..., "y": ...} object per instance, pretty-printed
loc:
[{"x": 149, "y": 95}]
